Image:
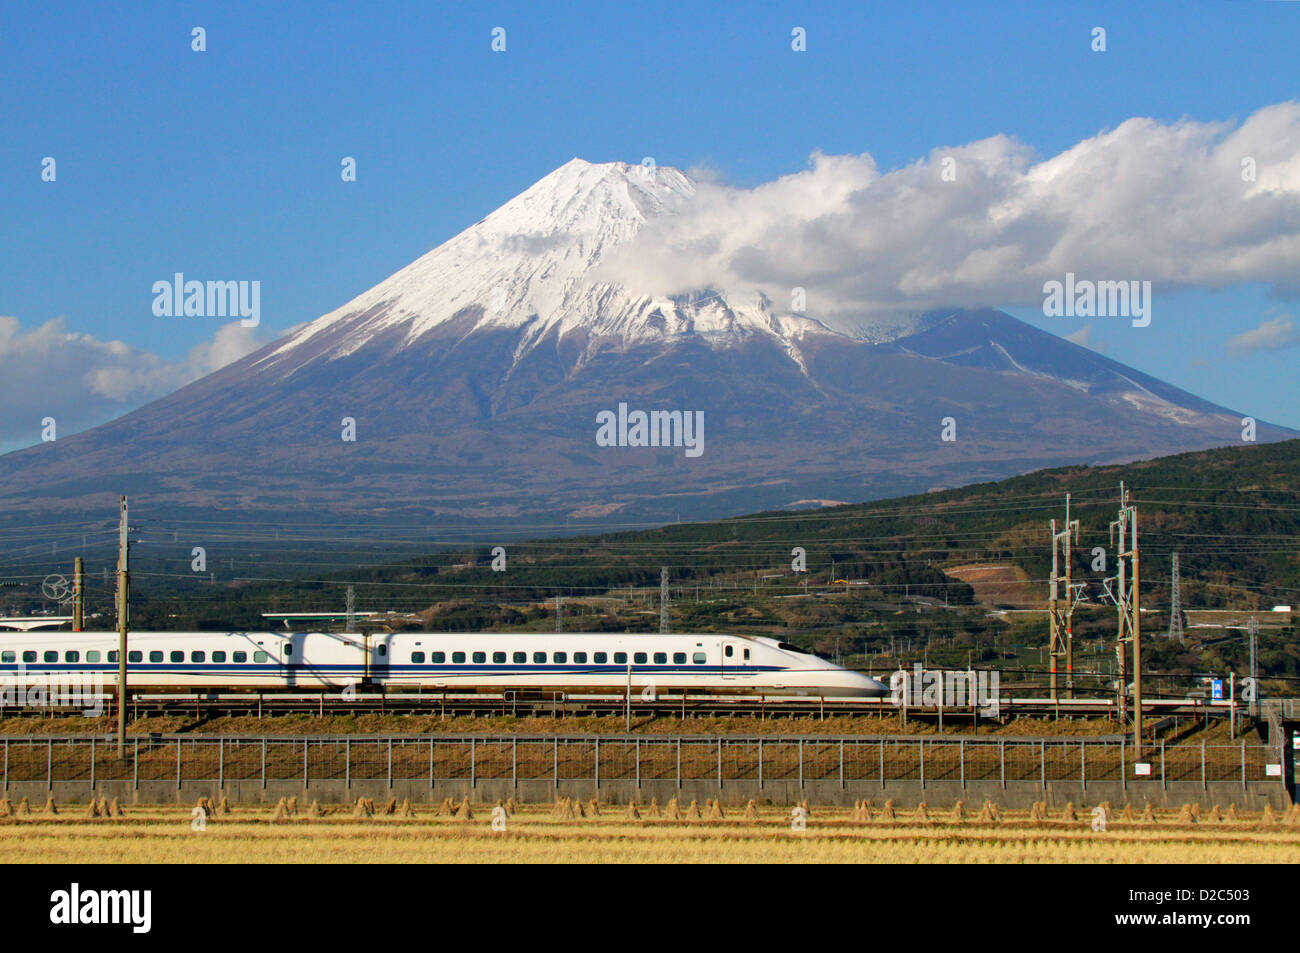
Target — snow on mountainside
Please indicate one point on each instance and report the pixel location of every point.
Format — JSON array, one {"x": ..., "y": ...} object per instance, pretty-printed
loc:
[
  {"x": 533, "y": 264},
  {"x": 465, "y": 390}
]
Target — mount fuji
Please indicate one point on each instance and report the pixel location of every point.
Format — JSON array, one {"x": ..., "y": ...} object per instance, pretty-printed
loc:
[{"x": 465, "y": 391}]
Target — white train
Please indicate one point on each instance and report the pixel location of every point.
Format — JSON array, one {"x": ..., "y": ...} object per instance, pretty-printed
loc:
[{"x": 591, "y": 663}]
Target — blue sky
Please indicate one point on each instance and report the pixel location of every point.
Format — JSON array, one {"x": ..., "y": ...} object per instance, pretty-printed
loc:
[{"x": 226, "y": 163}]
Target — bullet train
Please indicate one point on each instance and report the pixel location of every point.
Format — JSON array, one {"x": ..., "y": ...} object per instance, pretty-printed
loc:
[{"x": 579, "y": 663}]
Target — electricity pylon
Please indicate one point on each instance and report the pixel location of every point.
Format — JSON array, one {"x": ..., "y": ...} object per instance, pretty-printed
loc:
[{"x": 1061, "y": 638}]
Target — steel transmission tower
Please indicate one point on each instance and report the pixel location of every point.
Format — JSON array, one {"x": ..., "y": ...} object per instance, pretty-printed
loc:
[
  {"x": 1175, "y": 604},
  {"x": 1061, "y": 638},
  {"x": 1129, "y": 605}
]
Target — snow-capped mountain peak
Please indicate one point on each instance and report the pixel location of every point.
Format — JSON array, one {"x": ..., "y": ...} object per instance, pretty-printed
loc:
[{"x": 534, "y": 264}]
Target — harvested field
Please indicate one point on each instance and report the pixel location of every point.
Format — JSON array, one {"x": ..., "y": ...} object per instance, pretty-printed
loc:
[{"x": 586, "y": 833}]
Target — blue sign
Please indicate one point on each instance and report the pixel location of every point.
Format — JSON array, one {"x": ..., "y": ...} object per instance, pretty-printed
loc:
[{"x": 1216, "y": 689}]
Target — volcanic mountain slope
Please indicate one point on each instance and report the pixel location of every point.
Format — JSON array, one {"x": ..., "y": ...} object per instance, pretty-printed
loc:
[{"x": 473, "y": 378}]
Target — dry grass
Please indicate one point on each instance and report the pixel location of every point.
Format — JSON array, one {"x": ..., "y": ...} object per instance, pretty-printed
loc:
[{"x": 540, "y": 833}]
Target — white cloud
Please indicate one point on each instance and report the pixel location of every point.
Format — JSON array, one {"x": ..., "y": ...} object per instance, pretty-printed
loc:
[
  {"x": 1273, "y": 335},
  {"x": 1145, "y": 201},
  {"x": 82, "y": 381}
]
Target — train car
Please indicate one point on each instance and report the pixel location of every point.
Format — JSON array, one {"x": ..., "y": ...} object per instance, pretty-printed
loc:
[{"x": 592, "y": 663}]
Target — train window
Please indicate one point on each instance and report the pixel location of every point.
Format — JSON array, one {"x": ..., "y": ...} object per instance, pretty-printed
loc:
[
  {"x": 620, "y": 658},
  {"x": 480, "y": 658},
  {"x": 498, "y": 657},
  {"x": 417, "y": 656},
  {"x": 458, "y": 658},
  {"x": 198, "y": 656},
  {"x": 178, "y": 656},
  {"x": 134, "y": 656},
  {"x": 639, "y": 658},
  {"x": 729, "y": 651},
  {"x": 539, "y": 658},
  {"x": 72, "y": 655},
  {"x": 746, "y": 655},
  {"x": 601, "y": 658},
  {"x": 519, "y": 658},
  {"x": 580, "y": 657},
  {"x": 92, "y": 655},
  {"x": 260, "y": 656},
  {"x": 560, "y": 657},
  {"x": 112, "y": 656},
  {"x": 661, "y": 658},
  {"x": 51, "y": 656},
  {"x": 437, "y": 658},
  {"x": 218, "y": 656},
  {"x": 383, "y": 650},
  {"x": 698, "y": 658},
  {"x": 155, "y": 656},
  {"x": 288, "y": 649},
  {"x": 240, "y": 657},
  {"x": 679, "y": 658},
  {"x": 29, "y": 656},
  {"x": 8, "y": 657}
]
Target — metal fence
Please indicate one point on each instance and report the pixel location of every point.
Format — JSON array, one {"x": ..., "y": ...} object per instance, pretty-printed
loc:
[{"x": 590, "y": 758}]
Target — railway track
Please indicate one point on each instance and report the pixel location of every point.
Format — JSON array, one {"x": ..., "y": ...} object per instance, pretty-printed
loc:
[{"x": 523, "y": 704}]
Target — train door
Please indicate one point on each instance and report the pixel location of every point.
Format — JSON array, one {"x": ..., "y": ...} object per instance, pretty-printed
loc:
[
  {"x": 291, "y": 658},
  {"x": 380, "y": 649},
  {"x": 731, "y": 659}
]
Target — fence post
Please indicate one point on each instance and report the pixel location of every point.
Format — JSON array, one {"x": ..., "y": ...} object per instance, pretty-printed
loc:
[
  {"x": 921, "y": 757},
  {"x": 597, "y": 765},
  {"x": 347, "y": 764},
  {"x": 6, "y": 765},
  {"x": 221, "y": 764},
  {"x": 801, "y": 763},
  {"x": 841, "y": 764},
  {"x": 556, "y": 762},
  {"x": 1243, "y": 766},
  {"x": 719, "y": 763},
  {"x": 135, "y": 767},
  {"x": 263, "y": 762},
  {"x": 306, "y": 782},
  {"x": 390, "y": 762},
  {"x": 514, "y": 761},
  {"x": 760, "y": 763},
  {"x": 961, "y": 760},
  {"x": 49, "y": 764},
  {"x": 679, "y": 761},
  {"x": 637, "y": 751},
  {"x": 179, "y": 744},
  {"x": 430, "y": 763},
  {"x": 1083, "y": 764},
  {"x": 1123, "y": 763},
  {"x": 882, "y": 764},
  {"x": 1042, "y": 762},
  {"x": 92, "y": 765},
  {"x": 1163, "y": 786},
  {"x": 1204, "y": 786},
  {"x": 1002, "y": 761}
]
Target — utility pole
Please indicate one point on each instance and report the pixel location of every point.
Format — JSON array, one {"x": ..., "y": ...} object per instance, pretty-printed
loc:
[
  {"x": 78, "y": 594},
  {"x": 1175, "y": 603},
  {"x": 663, "y": 601},
  {"x": 1253, "y": 628},
  {"x": 1061, "y": 636},
  {"x": 123, "y": 602},
  {"x": 1129, "y": 605}
]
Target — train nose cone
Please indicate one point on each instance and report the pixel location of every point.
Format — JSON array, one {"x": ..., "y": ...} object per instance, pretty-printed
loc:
[{"x": 872, "y": 688}]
